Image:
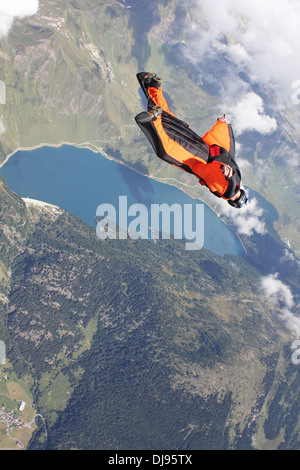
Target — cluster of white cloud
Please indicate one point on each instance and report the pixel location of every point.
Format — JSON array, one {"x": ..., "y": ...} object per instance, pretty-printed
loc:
[
  {"x": 260, "y": 40},
  {"x": 248, "y": 219},
  {"x": 11, "y": 9},
  {"x": 282, "y": 299},
  {"x": 248, "y": 114},
  {"x": 289, "y": 257}
]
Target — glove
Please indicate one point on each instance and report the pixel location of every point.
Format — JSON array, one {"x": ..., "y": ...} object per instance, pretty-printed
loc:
[{"x": 214, "y": 150}]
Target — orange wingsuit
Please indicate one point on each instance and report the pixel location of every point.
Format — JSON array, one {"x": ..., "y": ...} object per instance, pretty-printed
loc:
[{"x": 176, "y": 143}]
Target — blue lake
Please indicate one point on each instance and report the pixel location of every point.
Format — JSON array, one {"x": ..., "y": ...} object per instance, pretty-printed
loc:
[{"x": 79, "y": 180}]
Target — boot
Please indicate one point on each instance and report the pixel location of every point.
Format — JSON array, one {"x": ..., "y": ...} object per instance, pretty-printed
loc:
[{"x": 149, "y": 79}]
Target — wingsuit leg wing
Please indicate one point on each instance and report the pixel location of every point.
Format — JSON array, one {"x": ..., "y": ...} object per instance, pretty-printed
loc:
[{"x": 172, "y": 139}]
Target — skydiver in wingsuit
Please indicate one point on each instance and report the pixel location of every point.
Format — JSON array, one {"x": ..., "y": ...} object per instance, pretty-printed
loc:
[{"x": 210, "y": 158}]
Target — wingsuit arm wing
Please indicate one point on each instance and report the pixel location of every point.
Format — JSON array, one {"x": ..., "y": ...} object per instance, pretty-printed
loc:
[{"x": 221, "y": 134}]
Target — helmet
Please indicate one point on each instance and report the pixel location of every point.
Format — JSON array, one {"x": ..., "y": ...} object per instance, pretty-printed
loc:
[{"x": 240, "y": 202}]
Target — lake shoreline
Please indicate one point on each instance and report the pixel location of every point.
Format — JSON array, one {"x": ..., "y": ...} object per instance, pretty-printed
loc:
[
  {"x": 96, "y": 150},
  {"x": 90, "y": 146}
]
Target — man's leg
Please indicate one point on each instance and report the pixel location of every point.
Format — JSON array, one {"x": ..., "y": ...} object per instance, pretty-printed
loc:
[
  {"x": 151, "y": 86},
  {"x": 156, "y": 96},
  {"x": 171, "y": 139}
]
